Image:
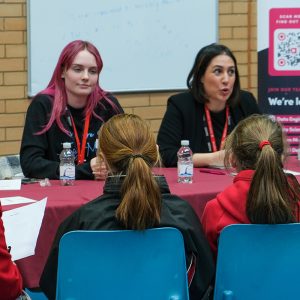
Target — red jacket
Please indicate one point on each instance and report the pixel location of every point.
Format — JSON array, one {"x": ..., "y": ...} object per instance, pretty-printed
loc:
[
  {"x": 229, "y": 207},
  {"x": 10, "y": 277}
]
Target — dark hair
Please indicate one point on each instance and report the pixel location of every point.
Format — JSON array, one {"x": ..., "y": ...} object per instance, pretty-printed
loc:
[
  {"x": 273, "y": 195},
  {"x": 202, "y": 61},
  {"x": 129, "y": 148}
]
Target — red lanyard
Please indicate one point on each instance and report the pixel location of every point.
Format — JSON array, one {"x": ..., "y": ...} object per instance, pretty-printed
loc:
[
  {"x": 81, "y": 148},
  {"x": 211, "y": 130}
]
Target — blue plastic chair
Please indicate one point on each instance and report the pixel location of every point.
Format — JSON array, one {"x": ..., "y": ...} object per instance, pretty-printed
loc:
[
  {"x": 123, "y": 264},
  {"x": 258, "y": 262},
  {"x": 36, "y": 294}
]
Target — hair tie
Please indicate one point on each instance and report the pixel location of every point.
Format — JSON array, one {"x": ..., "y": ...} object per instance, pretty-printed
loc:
[
  {"x": 264, "y": 143},
  {"x": 146, "y": 159},
  {"x": 137, "y": 155}
]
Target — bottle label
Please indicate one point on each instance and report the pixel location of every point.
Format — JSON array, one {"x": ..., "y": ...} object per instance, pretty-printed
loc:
[
  {"x": 67, "y": 172},
  {"x": 185, "y": 170}
]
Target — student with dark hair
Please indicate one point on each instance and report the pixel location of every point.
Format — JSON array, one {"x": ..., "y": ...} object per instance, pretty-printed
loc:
[
  {"x": 208, "y": 111},
  {"x": 10, "y": 277},
  {"x": 71, "y": 109},
  {"x": 133, "y": 198},
  {"x": 261, "y": 192}
]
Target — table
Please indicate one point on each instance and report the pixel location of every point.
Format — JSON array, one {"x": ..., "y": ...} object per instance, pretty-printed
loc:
[{"x": 63, "y": 200}]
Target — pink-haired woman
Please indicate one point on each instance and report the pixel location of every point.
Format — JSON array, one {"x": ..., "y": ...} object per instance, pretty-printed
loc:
[{"x": 71, "y": 109}]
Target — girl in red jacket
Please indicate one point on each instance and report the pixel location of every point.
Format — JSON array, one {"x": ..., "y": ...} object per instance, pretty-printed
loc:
[
  {"x": 261, "y": 192},
  {"x": 10, "y": 277}
]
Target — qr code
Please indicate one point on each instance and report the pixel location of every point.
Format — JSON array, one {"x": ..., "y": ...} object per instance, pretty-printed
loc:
[{"x": 287, "y": 49}]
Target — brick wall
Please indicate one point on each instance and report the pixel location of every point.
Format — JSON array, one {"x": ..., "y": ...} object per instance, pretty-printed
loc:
[
  {"x": 237, "y": 30},
  {"x": 13, "y": 75}
]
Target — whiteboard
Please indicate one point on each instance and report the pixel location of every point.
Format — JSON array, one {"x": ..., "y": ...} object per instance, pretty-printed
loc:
[{"x": 145, "y": 45}]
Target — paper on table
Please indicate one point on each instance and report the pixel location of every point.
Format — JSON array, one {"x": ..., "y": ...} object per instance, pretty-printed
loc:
[
  {"x": 22, "y": 226},
  {"x": 10, "y": 184},
  {"x": 15, "y": 200}
]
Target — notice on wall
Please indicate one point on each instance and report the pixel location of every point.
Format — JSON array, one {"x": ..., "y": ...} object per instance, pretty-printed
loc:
[{"x": 279, "y": 65}]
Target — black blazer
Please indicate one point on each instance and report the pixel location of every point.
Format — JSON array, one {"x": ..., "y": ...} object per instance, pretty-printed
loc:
[{"x": 183, "y": 120}]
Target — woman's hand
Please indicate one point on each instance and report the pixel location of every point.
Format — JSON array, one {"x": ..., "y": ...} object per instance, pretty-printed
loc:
[
  {"x": 99, "y": 168},
  {"x": 209, "y": 159}
]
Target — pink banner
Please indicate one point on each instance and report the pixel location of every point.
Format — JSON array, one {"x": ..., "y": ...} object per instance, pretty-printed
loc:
[{"x": 278, "y": 37}]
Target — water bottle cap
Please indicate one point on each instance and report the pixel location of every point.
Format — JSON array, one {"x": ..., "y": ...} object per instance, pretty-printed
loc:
[
  {"x": 185, "y": 143},
  {"x": 67, "y": 145}
]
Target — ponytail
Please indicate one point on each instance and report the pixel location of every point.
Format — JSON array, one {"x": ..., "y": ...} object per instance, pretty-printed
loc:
[
  {"x": 269, "y": 199},
  {"x": 129, "y": 148},
  {"x": 141, "y": 199}
]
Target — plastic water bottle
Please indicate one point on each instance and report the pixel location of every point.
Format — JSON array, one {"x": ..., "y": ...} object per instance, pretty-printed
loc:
[
  {"x": 185, "y": 163},
  {"x": 67, "y": 165}
]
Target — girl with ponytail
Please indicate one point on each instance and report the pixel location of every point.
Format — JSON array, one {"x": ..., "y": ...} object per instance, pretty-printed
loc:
[
  {"x": 261, "y": 192},
  {"x": 133, "y": 198}
]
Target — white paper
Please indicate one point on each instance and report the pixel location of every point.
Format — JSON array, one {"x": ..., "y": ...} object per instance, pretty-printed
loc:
[
  {"x": 15, "y": 200},
  {"x": 10, "y": 184},
  {"x": 22, "y": 226},
  {"x": 292, "y": 172},
  {"x": 19, "y": 175}
]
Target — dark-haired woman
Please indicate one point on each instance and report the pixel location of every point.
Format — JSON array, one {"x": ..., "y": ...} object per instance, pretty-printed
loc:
[{"x": 208, "y": 111}]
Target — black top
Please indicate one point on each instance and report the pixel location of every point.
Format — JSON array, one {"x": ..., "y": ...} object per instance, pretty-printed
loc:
[
  {"x": 183, "y": 120},
  {"x": 39, "y": 154},
  {"x": 99, "y": 214}
]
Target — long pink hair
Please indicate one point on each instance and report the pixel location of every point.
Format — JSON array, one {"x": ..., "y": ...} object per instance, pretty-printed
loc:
[{"x": 56, "y": 86}]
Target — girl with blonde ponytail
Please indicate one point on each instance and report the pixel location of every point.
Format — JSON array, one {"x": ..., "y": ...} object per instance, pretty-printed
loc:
[
  {"x": 131, "y": 152},
  {"x": 261, "y": 192},
  {"x": 134, "y": 198}
]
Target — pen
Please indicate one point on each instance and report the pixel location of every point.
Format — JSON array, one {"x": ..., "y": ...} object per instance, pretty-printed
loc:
[{"x": 210, "y": 171}]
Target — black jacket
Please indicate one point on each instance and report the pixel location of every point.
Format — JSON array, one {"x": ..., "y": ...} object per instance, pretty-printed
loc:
[
  {"x": 183, "y": 120},
  {"x": 39, "y": 154},
  {"x": 99, "y": 214}
]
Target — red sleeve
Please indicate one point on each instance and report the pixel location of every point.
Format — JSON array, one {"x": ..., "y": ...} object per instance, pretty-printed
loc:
[
  {"x": 210, "y": 220},
  {"x": 10, "y": 277}
]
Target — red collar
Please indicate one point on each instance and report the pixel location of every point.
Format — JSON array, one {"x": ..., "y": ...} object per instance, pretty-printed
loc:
[
  {"x": 211, "y": 130},
  {"x": 81, "y": 146},
  {"x": 245, "y": 175}
]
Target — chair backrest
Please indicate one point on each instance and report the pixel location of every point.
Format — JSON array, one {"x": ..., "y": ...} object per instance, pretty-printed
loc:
[
  {"x": 258, "y": 262},
  {"x": 124, "y": 264}
]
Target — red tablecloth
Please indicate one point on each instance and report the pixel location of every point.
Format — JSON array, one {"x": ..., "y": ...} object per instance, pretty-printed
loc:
[{"x": 63, "y": 200}]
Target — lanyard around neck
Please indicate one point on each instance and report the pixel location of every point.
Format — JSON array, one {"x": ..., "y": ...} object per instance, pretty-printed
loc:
[
  {"x": 211, "y": 130},
  {"x": 81, "y": 147}
]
